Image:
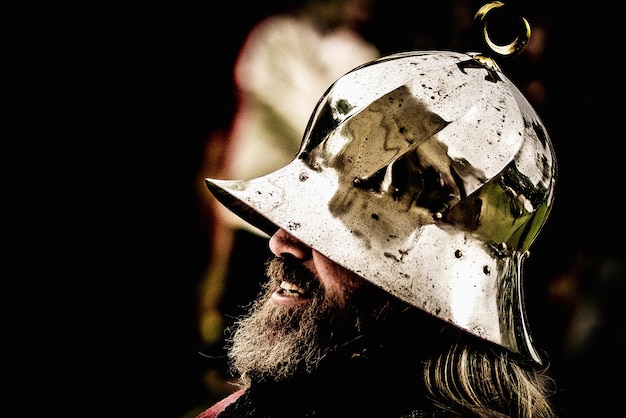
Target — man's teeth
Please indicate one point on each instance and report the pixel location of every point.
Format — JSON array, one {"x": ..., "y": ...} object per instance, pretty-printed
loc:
[{"x": 291, "y": 288}]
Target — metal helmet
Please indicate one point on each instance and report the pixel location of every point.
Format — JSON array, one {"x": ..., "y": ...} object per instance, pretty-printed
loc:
[{"x": 428, "y": 174}]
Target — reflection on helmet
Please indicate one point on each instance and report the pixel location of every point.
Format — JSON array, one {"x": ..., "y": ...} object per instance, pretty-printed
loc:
[{"x": 428, "y": 174}]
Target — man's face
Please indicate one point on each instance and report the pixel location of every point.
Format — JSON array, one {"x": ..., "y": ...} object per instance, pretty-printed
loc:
[
  {"x": 310, "y": 307},
  {"x": 306, "y": 273}
]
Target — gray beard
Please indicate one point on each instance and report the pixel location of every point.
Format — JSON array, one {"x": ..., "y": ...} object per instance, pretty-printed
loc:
[{"x": 277, "y": 342}]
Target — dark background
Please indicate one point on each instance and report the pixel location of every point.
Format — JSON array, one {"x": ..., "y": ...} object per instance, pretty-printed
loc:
[{"x": 117, "y": 106}]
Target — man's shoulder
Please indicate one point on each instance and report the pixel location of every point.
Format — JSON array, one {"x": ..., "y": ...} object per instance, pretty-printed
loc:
[{"x": 218, "y": 407}]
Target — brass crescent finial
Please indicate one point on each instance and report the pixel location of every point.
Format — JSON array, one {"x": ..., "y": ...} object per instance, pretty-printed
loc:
[{"x": 516, "y": 46}]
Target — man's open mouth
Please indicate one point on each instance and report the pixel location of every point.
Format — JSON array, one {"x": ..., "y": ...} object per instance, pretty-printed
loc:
[{"x": 290, "y": 289}]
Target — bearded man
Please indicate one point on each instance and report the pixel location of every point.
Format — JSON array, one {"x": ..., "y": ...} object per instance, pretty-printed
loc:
[{"x": 399, "y": 231}]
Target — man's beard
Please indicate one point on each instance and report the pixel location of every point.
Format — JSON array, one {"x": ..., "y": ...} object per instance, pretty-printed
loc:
[{"x": 275, "y": 342}]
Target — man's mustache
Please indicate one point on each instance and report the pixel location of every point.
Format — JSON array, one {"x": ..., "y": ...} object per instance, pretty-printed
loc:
[{"x": 291, "y": 270}]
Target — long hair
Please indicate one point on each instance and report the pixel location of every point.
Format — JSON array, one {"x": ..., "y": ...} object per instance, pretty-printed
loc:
[{"x": 484, "y": 381}]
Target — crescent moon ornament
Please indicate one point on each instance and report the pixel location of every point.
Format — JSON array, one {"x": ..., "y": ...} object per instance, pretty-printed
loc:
[{"x": 516, "y": 46}]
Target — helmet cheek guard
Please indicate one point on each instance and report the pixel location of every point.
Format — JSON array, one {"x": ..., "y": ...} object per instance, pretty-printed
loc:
[{"x": 429, "y": 175}]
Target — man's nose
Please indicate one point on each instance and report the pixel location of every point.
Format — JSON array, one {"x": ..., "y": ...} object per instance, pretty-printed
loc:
[{"x": 282, "y": 243}]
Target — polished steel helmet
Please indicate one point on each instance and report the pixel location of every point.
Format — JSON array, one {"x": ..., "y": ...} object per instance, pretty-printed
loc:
[{"x": 428, "y": 174}]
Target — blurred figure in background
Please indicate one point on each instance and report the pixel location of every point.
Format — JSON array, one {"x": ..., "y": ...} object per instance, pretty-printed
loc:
[{"x": 285, "y": 65}]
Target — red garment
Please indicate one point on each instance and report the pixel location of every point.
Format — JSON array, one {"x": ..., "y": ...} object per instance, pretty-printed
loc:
[{"x": 214, "y": 410}]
